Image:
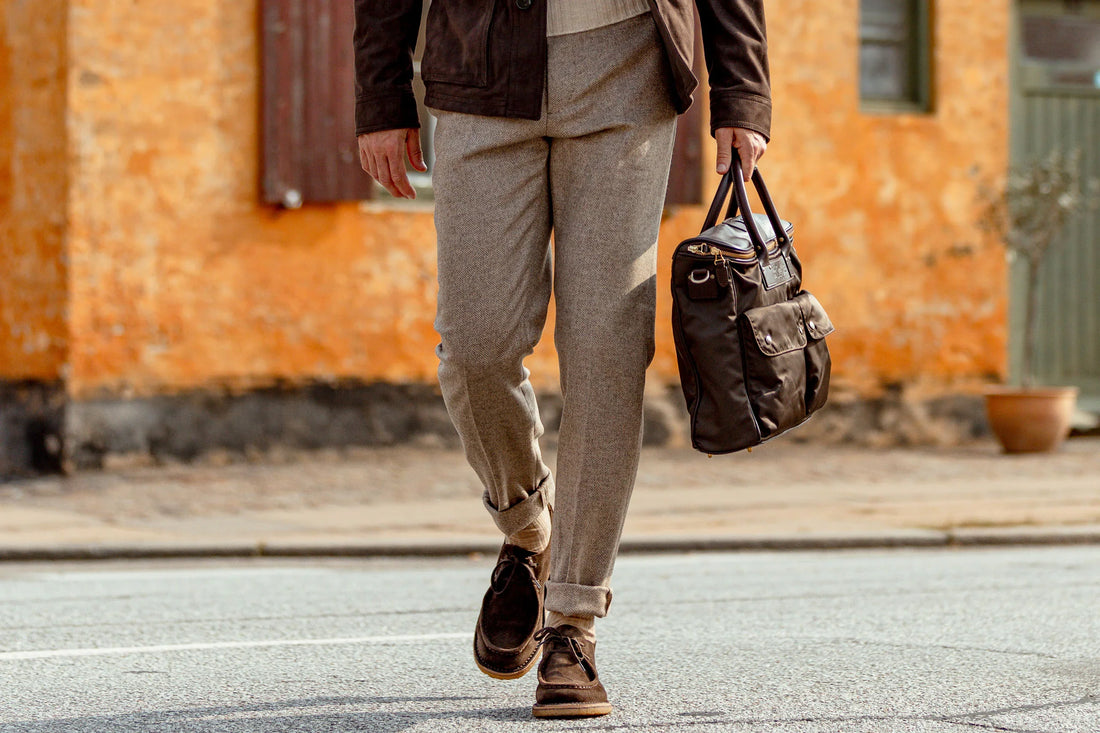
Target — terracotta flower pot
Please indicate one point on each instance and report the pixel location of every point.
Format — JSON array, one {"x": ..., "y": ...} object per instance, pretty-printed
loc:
[{"x": 1032, "y": 420}]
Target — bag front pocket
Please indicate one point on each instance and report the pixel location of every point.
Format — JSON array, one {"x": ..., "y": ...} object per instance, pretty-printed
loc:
[
  {"x": 457, "y": 42},
  {"x": 773, "y": 343}
]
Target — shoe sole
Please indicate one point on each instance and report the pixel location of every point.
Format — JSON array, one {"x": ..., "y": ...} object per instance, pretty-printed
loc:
[
  {"x": 498, "y": 675},
  {"x": 573, "y": 710}
]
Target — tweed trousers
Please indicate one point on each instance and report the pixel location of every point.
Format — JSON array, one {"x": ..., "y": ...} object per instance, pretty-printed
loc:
[{"x": 593, "y": 171}]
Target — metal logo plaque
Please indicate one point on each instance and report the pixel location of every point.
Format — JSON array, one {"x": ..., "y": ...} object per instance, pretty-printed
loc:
[{"x": 775, "y": 272}]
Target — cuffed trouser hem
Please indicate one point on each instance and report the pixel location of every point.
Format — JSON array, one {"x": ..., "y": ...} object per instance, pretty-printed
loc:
[
  {"x": 522, "y": 515},
  {"x": 570, "y": 599}
]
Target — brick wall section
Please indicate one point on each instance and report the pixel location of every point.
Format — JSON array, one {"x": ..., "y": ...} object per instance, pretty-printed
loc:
[
  {"x": 179, "y": 279},
  {"x": 33, "y": 170}
]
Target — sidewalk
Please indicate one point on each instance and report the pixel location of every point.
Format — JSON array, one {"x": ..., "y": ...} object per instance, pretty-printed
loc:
[{"x": 423, "y": 501}]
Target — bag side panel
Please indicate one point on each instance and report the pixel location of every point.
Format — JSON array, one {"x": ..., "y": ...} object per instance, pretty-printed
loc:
[
  {"x": 688, "y": 381},
  {"x": 721, "y": 419}
]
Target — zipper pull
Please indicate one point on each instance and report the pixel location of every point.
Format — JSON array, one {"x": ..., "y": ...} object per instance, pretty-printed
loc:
[{"x": 721, "y": 272}]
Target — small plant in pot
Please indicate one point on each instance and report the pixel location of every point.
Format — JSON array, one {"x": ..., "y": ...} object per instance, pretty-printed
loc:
[{"x": 1029, "y": 216}]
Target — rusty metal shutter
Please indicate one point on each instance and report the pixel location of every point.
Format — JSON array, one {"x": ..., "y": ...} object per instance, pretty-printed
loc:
[{"x": 309, "y": 147}]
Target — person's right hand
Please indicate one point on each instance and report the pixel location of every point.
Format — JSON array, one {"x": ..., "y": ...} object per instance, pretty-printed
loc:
[
  {"x": 750, "y": 146},
  {"x": 382, "y": 155}
]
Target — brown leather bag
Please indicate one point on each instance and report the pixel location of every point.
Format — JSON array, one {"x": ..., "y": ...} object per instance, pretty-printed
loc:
[{"x": 749, "y": 341}]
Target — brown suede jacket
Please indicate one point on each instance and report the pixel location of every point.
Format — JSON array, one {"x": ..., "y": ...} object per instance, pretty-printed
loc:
[{"x": 488, "y": 57}]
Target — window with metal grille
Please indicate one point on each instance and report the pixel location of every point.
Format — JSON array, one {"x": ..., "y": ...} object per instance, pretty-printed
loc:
[
  {"x": 1061, "y": 50},
  {"x": 894, "y": 54}
]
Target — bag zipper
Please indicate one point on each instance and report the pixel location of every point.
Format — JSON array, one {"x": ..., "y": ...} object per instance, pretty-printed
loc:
[{"x": 705, "y": 249}]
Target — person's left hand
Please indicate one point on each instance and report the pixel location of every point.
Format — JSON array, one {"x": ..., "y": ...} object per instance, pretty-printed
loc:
[{"x": 750, "y": 146}]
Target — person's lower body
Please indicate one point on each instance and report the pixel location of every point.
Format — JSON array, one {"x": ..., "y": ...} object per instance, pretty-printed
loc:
[{"x": 593, "y": 170}]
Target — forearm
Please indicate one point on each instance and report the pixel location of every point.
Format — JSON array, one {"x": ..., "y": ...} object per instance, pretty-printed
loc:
[
  {"x": 736, "y": 46},
  {"x": 384, "y": 40}
]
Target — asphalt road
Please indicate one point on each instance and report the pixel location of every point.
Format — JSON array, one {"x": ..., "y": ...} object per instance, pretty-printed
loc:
[{"x": 882, "y": 641}]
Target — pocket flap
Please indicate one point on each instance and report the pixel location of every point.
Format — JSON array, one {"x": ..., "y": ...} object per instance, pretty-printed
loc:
[
  {"x": 777, "y": 328},
  {"x": 818, "y": 325}
]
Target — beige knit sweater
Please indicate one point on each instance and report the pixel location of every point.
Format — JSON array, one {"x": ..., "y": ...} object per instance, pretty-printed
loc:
[{"x": 574, "y": 16}]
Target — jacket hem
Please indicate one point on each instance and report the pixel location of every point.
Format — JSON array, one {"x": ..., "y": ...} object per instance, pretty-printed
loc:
[
  {"x": 388, "y": 110},
  {"x": 474, "y": 106}
]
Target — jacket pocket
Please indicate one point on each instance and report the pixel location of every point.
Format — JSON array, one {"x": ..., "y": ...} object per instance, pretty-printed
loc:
[
  {"x": 456, "y": 47},
  {"x": 773, "y": 344}
]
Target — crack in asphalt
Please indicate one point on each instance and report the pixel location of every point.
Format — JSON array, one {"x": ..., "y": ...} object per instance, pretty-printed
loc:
[
  {"x": 961, "y": 719},
  {"x": 989, "y": 726},
  {"x": 79, "y": 599},
  {"x": 882, "y": 592},
  {"x": 246, "y": 619},
  {"x": 951, "y": 647},
  {"x": 954, "y": 719},
  {"x": 951, "y": 719}
]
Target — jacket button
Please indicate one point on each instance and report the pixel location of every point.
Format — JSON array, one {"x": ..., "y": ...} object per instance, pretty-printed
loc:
[{"x": 523, "y": 4}]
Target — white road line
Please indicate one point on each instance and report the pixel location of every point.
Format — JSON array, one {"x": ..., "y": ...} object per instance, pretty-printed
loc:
[{"x": 114, "y": 651}]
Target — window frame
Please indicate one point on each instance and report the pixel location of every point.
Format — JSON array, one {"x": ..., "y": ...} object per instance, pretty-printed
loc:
[{"x": 919, "y": 61}]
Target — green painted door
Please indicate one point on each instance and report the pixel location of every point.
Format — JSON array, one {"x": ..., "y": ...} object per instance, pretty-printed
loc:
[{"x": 1056, "y": 104}]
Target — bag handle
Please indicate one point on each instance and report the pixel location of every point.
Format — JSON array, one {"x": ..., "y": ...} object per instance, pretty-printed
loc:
[{"x": 740, "y": 201}]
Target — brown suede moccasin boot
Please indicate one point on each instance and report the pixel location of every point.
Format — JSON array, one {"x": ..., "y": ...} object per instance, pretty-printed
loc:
[
  {"x": 511, "y": 614},
  {"x": 569, "y": 686}
]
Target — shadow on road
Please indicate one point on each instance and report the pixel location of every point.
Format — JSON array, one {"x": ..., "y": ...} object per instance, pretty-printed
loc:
[
  {"x": 332, "y": 714},
  {"x": 275, "y": 718}
]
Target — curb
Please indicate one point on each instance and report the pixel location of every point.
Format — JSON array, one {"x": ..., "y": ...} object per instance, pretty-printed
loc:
[{"x": 1006, "y": 537}]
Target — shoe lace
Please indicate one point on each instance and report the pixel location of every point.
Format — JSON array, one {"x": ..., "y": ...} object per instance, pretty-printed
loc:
[
  {"x": 555, "y": 641},
  {"x": 506, "y": 568}
]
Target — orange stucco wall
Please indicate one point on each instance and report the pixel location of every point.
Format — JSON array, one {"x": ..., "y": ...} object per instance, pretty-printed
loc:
[
  {"x": 178, "y": 278},
  {"x": 33, "y": 293},
  {"x": 888, "y": 205}
]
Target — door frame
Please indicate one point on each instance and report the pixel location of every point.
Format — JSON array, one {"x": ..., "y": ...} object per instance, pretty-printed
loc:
[{"x": 1018, "y": 135}]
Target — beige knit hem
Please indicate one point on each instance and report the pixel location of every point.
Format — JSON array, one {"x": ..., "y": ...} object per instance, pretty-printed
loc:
[{"x": 576, "y": 16}]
